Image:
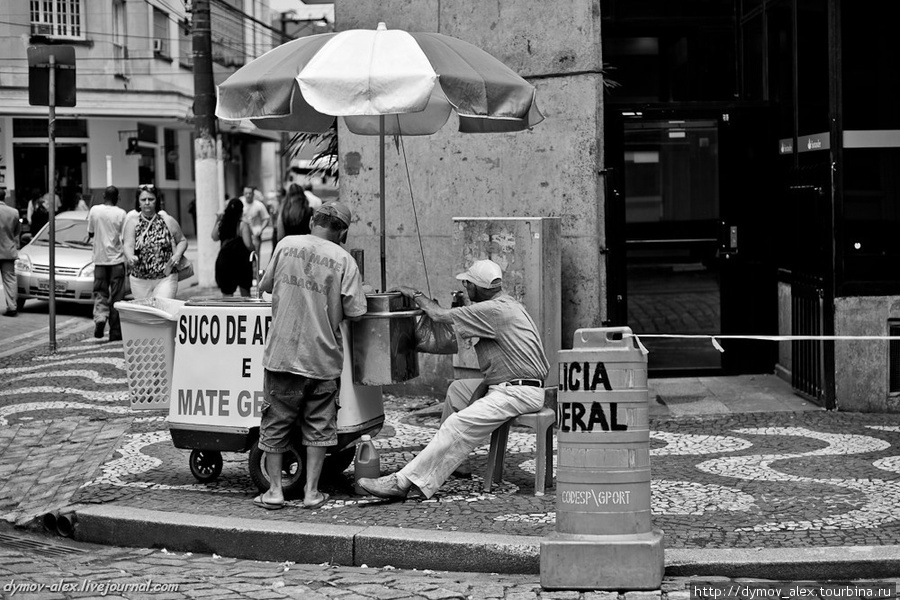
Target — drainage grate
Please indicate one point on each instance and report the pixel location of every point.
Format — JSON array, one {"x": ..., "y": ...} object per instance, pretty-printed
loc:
[{"x": 37, "y": 546}]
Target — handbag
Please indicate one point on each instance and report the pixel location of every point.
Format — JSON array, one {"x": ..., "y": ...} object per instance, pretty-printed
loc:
[
  {"x": 435, "y": 338},
  {"x": 184, "y": 267}
]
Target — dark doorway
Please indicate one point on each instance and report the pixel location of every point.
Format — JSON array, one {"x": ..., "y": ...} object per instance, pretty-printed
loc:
[
  {"x": 31, "y": 163},
  {"x": 686, "y": 218}
]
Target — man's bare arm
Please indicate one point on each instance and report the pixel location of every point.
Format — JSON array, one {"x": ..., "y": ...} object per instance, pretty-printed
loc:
[{"x": 434, "y": 310}]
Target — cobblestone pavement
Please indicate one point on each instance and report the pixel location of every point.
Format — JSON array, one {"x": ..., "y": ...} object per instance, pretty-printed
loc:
[
  {"x": 32, "y": 566},
  {"x": 805, "y": 479}
]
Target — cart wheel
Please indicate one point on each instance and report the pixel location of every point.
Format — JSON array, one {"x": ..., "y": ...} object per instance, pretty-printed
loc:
[
  {"x": 292, "y": 479},
  {"x": 206, "y": 465},
  {"x": 337, "y": 463}
]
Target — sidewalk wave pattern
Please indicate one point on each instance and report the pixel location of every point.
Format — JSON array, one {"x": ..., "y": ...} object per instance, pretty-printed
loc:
[{"x": 747, "y": 480}]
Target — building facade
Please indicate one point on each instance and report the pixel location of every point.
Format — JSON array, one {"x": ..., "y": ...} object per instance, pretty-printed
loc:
[
  {"x": 132, "y": 123},
  {"x": 720, "y": 168},
  {"x": 753, "y": 185}
]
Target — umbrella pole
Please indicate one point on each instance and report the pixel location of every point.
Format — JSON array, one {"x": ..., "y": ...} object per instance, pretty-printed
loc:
[{"x": 381, "y": 188}]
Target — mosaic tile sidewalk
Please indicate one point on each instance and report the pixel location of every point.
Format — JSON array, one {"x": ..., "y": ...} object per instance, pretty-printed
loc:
[{"x": 769, "y": 479}]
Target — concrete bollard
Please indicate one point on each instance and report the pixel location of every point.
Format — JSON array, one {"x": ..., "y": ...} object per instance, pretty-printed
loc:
[{"x": 604, "y": 537}]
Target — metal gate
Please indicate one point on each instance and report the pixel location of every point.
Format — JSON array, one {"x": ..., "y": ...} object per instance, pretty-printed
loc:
[{"x": 808, "y": 356}]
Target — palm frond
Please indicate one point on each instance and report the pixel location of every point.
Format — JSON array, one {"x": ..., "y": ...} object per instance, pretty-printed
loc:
[{"x": 325, "y": 158}]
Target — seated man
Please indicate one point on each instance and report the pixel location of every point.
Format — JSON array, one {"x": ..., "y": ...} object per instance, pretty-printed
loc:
[{"x": 511, "y": 358}]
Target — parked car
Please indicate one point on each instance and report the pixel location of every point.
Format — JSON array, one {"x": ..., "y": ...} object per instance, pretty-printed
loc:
[{"x": 73, "y": 261}]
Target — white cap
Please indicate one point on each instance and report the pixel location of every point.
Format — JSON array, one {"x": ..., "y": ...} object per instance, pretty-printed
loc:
[
  {"x": 366, "y": 438},
  {"x": 483, "y": 273}
]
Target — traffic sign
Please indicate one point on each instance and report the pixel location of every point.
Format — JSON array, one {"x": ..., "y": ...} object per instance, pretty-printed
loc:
[{"x": 39, "y": 75}]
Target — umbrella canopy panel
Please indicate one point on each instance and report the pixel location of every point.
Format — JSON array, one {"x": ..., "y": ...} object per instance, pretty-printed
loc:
[{"x": 414, "y": 79}]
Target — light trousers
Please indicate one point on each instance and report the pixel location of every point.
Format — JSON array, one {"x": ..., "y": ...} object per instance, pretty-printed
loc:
[
  {"x": 467, "y": 428},
  {"x": 165, "y": 287}
]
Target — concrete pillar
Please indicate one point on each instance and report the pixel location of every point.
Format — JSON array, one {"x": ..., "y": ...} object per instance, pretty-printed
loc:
[{"x": 551, "y": 170}]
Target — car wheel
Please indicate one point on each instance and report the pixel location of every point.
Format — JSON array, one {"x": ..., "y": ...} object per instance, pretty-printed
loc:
[{"x": 20, "y": 303}]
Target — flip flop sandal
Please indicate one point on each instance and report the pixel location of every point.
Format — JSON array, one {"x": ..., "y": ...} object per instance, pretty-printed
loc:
[
  {"x": 258, "y": 501},
  {"x": 325, "y": 498}
]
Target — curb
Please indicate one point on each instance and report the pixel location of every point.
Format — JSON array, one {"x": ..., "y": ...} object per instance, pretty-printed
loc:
[
  {"x": 787, "y": 564},
  {"x": 378, "y": 546},
  {"x": 309, "y": 543}
]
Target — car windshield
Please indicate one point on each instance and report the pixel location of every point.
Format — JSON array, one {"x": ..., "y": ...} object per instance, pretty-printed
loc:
[{"x": 68, "y": 233}]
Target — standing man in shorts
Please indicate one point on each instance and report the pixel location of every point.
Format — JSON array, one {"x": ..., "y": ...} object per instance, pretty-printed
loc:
[{"x": 315, "y": 284}]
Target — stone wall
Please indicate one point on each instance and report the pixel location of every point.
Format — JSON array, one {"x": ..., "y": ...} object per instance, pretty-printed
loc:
[
  {"x": 551, "y": 170},
  {"x": 861, "y": 366}
]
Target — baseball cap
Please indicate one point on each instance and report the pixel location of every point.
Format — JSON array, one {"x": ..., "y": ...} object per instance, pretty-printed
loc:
[
  {"x": 483, "y": 273},
  {"x": 336, "y": 209}
]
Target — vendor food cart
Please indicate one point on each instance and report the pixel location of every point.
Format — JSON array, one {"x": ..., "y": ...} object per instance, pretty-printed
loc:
[{"x": 206, "y": 371}]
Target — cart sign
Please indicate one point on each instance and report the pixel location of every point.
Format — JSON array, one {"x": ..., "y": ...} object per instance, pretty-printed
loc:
[
  {"x": 217, "y": 381},
  {"x": 218, "y": 372},
  {"x": 39, "y": 75}
]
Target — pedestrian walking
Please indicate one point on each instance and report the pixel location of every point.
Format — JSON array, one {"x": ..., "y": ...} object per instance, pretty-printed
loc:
[
  {"x": 37, "y": 215},
  {"x": 295, "y": 213},
  {"x": 315, "y": 284},
  {"x": 154, "y": 243},
  {"x": 256, "y": 214},
  {"x": 192, "y": 210},
  {"x": 234, "y": 269},
  {"x": 10, "y": 230},
  {"x": 512, "y": 360},
  {"x": 106, "y": 223}
]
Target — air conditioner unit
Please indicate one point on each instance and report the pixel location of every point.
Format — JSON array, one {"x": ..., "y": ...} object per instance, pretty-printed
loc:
[{"x": 157, "y": 45}]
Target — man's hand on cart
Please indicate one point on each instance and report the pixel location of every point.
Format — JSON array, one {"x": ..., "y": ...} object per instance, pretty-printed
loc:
[{"x": 406, "y": 291}]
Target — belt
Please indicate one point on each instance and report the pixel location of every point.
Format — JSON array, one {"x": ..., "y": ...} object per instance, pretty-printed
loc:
[{"x": 531, "y": 382}]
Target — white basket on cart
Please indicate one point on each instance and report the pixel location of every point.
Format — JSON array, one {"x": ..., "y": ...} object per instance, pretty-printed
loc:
[{"x": 148, "y": 336}]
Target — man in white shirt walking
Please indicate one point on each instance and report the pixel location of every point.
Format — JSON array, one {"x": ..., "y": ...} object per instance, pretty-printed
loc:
[
  {"x": 257, "y": 216},
  {"x": 105, "y": 225}
]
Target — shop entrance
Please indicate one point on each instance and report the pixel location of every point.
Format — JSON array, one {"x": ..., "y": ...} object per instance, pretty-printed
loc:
[
  {"x": 31, "y": 164},
  {"x": 686, "y": 220}
]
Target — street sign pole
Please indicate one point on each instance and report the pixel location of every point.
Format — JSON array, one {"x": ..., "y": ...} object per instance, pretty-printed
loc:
[
  {"x": 51, "y": 197},
  {"x": 57, "y": 64}
]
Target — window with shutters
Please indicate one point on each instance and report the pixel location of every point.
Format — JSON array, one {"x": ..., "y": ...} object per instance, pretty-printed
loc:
[
  {"x": 121, "y": 66},
  {"x": 160, "y": 33},
  {"x": 57, "y": 19}
]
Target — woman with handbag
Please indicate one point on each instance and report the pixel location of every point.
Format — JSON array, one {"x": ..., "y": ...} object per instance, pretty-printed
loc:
[
  {"x": 154, "y": 246},
  {"x": 234, "y": 269}
]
